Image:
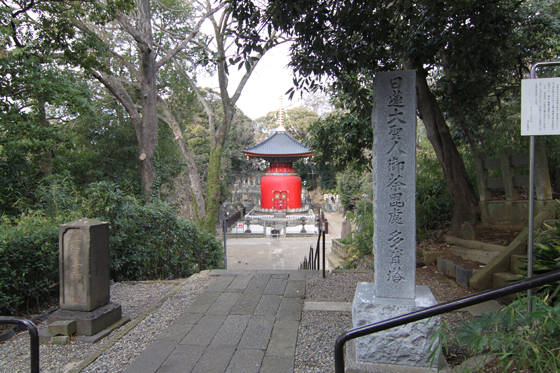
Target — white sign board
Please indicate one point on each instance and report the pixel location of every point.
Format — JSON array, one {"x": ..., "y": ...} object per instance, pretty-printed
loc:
[
  {"x": 540, "y": 107},
  {"x": 239, "y": 225}
]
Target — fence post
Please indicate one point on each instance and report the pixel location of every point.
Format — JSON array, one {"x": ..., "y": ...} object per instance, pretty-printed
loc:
[
  {"x": 225, "y": 239},
  {"x": 542, "y": 177},
  {"x": 481, "y": 176},
  {"x": 508, "y": 172}
]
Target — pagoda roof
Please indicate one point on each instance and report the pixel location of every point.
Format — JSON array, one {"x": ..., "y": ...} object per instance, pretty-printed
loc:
[{"x": 281, "y": 144}]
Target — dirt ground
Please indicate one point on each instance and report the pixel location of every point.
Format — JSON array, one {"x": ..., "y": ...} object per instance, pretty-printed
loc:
[{"x": 501, "y": 235}]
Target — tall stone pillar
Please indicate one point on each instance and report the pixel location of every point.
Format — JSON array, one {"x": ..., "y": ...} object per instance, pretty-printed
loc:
[{"x": 394, "y": 292}]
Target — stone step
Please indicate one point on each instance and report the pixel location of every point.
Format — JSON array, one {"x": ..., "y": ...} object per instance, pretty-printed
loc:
[
  {"x": 515, "y": 264},
  {"x": 480, "y": 256},
  {"x": 472, "y": 244},
  {"x": 500, "y": 279},
  {"x": 334, "y": 261}
]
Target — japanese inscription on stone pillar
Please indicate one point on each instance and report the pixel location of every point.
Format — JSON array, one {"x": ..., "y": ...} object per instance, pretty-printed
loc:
[
  {"x": 394, "y": 173},
  {"x": 76, "y": 265}
]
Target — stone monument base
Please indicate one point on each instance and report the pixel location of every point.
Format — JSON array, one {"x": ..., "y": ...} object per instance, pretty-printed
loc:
[
  {"x": 407, "y": 345},
  {"x": 90, "y": 323}
]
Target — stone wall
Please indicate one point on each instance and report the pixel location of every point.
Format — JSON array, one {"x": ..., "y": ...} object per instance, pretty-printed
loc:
[{"x": 246, "y": 188}]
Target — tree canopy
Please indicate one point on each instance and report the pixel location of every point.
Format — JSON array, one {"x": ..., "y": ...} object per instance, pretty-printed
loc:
[{"x": 471, "y": 49}]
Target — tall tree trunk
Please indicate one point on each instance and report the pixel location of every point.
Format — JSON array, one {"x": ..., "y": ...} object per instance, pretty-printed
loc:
[
  {"x": 461, "y": 191},
  {"x": 149, "y": 98},
  {"x": 214, "y": 186},
  {"x": 455, "y": 103},
  {"x": 213, "y": 189}
]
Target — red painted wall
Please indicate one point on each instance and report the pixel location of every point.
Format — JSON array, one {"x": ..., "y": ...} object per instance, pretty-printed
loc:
[{"x": 280, "y": 181}]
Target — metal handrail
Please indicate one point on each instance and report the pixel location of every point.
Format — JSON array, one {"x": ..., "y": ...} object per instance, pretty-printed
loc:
[
  {"x": 34, "y": 339},
  {"x": 314, "y": 259},
  {"x": 312, "y": 262},
  {"x": 425, "y": 313}
]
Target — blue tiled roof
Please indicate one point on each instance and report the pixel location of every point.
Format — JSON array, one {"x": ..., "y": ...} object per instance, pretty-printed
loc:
[{"x": 280, "y": 143}]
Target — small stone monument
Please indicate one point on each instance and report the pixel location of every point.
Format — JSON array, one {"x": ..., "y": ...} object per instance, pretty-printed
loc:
[
  {"x": 467, "y": 231},
  {"x": 84, "y": 277},
  {"x": 394, "y": 292}
]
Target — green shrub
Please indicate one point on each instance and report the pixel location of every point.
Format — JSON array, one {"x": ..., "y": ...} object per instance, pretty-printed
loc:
[
  {"x": 361, "y": 241},
  {"x": 150, "y": 241},
  {"x": 29, "y": 251},
  {"x": 546, "y": 258},
  {"x": 521, "y": 340}
]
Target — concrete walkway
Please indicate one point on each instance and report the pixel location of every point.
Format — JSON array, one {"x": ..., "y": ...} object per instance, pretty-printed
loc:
[
  {"x": 270, "y": 253},
  {"x": 246, "y": 321}
]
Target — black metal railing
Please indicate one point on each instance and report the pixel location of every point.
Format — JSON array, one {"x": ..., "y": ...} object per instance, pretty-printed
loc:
[
  {"x": 34, "y": 339},
  {"x": 425, "y": 313},
  {"x": 314, "y": 262}
]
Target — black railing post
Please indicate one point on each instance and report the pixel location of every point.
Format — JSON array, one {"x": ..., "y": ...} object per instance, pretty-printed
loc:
[
  {"x": 225, "y": 238},
  {"x": 323, "y": 254},
  {"x": 318, "y": 242},
  {"x": 33, "y": 339}
]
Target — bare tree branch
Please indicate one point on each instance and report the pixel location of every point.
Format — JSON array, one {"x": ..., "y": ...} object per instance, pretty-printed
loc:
[
  {"x": 189, "y": 38},
  {"x": 129, "y": 27}
]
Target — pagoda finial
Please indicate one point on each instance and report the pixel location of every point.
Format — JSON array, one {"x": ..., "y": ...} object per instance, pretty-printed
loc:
[{"x": 281, "y": 116}]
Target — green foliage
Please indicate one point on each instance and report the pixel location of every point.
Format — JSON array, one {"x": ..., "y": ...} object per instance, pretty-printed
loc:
[
  {"x": 348, "y": 184},
  {"x": 433, "y": 204},
  {"x": 303, "y": 168},
  {"x": 521, "y": 340},
  {"x": 29, "y": 251},
  {"x": 327, "y": 177},
  {"x": 361, "y": 241},
  {"x": 438, "y": 343},
  {"x": 340, "y": 139},
  {"x": 546, "y": 258},
  {"x": 103, "y": 149},
  {"x": 473, "y": 53},
  {"x": 151, "y": 242}
]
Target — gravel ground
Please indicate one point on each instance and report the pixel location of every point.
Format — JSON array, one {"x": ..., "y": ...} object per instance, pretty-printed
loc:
[
  {"x": 135, "y": 299},
  {"x": 319, "y": 329},
  {"x": 317, "y": 333}
]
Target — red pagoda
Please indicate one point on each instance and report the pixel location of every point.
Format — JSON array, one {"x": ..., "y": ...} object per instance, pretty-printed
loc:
[{"x": 280, "y": 187}]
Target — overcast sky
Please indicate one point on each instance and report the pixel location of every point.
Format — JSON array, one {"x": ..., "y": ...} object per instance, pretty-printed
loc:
[{"x": 270, "y": 79}]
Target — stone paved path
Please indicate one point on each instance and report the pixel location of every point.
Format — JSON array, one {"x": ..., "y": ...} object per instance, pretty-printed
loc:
[{"x": 246, "y": 321}]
